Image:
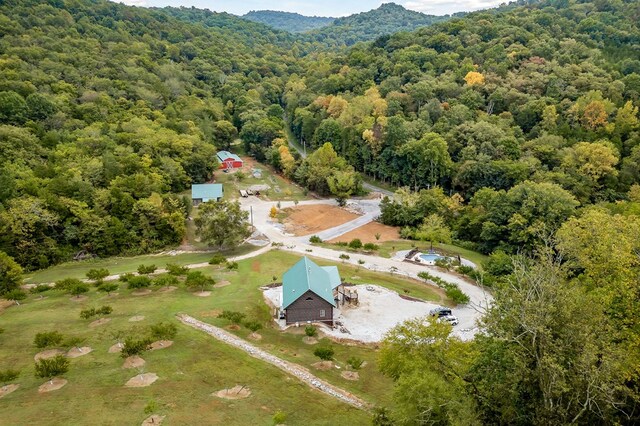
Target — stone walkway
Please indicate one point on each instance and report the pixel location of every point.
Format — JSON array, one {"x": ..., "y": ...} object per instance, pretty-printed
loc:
[{"x": 288, "y": 367}]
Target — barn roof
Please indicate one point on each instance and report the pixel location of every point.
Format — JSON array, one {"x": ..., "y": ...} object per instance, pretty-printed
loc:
[
  {"x": 226, "y": 155},
  {"x": 303, "y": 276},
  {"x": 206, "y": 191}
]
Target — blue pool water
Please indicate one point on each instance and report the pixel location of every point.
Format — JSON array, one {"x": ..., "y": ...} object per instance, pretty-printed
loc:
[{"x": 430, "y": 257}]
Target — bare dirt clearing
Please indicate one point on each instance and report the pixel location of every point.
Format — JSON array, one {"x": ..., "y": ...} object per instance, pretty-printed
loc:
[
  {"x": 142, "y": 292},
  {"x": 169, "y": 289},
  {"x": 115, "y": 348},
  {"x": 141, "y": 380},
  {"x": 222, "y": 284},
  {"x": 136, "y": 318},
  {"x": 309, "y": 340},
  {"x": 99, "y": 322},
  {"x": 50, "y": 353},
  {"x": 161, "y": 344},
  {"x": 133, "y": 361},
  {"x": 7, "y": 389},
  {"x": 153, "y": 420},
  {"x": 323, "y": 365},
  {"x": 236, "y": 392},
  {"x": 367, "y": 234},
  {"x": 350, "y": 375},
  {"x": 310, "y": 219},
  {"x": 52, "y": 385},
  {"x": 202, "y": 293},
  {"x": 76, "y": 352}
]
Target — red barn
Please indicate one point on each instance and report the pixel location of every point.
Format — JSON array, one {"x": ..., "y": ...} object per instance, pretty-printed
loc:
[{"x": 229, "y": 161}]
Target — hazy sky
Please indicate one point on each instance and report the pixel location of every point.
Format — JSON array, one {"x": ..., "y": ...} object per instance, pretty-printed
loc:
[{"x": 323, "y": 7}]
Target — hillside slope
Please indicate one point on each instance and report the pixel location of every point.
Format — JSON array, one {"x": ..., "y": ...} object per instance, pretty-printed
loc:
[{"x": 286, "y": 21}]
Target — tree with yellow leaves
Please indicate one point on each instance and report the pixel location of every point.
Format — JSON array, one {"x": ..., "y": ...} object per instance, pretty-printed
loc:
[
  {"x": 474, "y": 78},
  {"x": 273, "y": 212}
]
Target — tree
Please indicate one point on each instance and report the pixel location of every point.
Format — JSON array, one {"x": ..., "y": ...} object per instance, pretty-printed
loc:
[
  {"x": 134, "y": 346},
  {"x": 163, "y": 331},
  {"x": 273, "y": 212},
  {"x": 342, "y": 185},
  {"x": 427, "y": 159},
  {"x": 47, "y": 339},
  {"x": 108, "y": 287},
  {"x": 78, "y": 289},
  {"x": 433, "y": 229},
  {"x": 222, "y": 223},
  {"x": 224, "y": 133},
  {"x": 97, "y": 275},
  {"x": 474, "y": 78},
  {"x": 198, "y": 280},
  {"x": 139, "y": 281},
  {"x": 10, "y": 274},
  {"x": 52, "y": 367}
]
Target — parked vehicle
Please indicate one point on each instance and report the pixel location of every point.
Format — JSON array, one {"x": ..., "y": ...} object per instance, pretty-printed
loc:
[{"x": 444, "y": 315}]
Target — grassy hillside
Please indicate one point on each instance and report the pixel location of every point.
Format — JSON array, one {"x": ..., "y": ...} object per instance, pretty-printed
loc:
[{"x": 287, "y": 21}]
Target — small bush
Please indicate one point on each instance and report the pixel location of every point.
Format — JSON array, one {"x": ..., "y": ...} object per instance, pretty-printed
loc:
[
  {"x": 52, "y": 367},
  {"x": 370, "y": 247},
  {"x": 232, "y": 266},
  {"x": 78, "y": 289},
  {"x": 108, "y": 287},
  {"x": 126, "y": 277},
  {"x": 233, "y": 316},
  {"x": 47, "y": 339},
  {"x": 87, "y": 313},
  {"x": 67, "y": 283},
  {"x": 164, "y": 331},
  {"x": 443, "y": 263},
  {"x": 355, "y": 362},
  {"x": 324, "y": 353},
  {"x": 361, "y": 262},
  {"x": 465, "y": 270},
  {"x": 134, "y": 346},
  {"x": 196, "y": 279},
  {"x": 7, "y": 376},
  {"x": 355, "y": 244},
  {"x": 41, "y": 288},
  {"x": 315, "y": 239},
  {"x": 141, "y": 281},
  {"x": 147, "y": 269},
  {"x": 454, "y": 293},
  {"x": 279, "y": 417},
  {"x": 217, "y": 259},
  {"x": 73, "y": 342},
  {"x": 341, "y": 244},
  {"x": 104, "y": 310},
  {"x": 344, "y": 256},
  {"x": 253, "y": 325},
  {"x": 310, "y": 331},
  {"x": 97, "y": 274},
  {"x": 151, "y": 407},
  {"x": 166, "y": 280},
  {"x": 176, "y": 270},
  {"x": 15, "y": 295}
]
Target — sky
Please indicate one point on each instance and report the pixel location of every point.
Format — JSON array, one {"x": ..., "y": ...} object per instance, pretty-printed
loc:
[{"x": 334, "y": 8}]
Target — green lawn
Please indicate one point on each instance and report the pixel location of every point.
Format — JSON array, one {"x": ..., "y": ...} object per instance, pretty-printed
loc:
[{"x": 195, "y": 366}]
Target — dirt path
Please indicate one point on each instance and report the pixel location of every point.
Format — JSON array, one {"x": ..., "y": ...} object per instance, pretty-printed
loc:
[{"x": 288, "y": 367}]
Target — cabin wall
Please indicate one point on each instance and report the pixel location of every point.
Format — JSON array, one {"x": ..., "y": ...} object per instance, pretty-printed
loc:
[{"x": 309, "y": 307}]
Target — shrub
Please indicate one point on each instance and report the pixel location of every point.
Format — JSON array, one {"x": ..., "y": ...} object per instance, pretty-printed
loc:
[
  {"x": 41, "y": 288},
  {"x": 134, "y": 346},
  {"x": 341, "y": 244},
  {"x": 324, "y": 353},
  {"x": 370, "y": 247},
  {"x": 253, "y": 325},
  {"x": 355, "y": 362},
  {"x": 97, "y": 274},
  {"x": 108, "y": 287},
  {"x": 87, "y": 313},
  {"x": 104, "y": 310},
  {"x": 232, "y": 266},
  {"x": 7, "y": 376},
  {"x": 126, "y": 277},
  {"x": 48, "y": 338},
  {"x": 355, "y": 244},
  {"x": 498, "y": 264},
  {"x": 465, "y": 270},
  {"x": 315, "y": 239},
  {"x": 233, "y": 316},
  {"x": 361, "y": 262},
  {"x": 147, "y": 269},
  {"x": 443, "y": 263},
  {"x": 73, "y": 342},
  {"x": 279, "y": 417},
  {"x": 66, "y": 283},
  {"x": 196, "y": 279},
  {"x": 217, "y": 259},
  {"x": 344, "y": 256},
  {"x": 166, "y": 280},
  {"x": 176, "y": 270},
  {"x": 310, "y": 331},
  {"x": 78, "y": 289},
  {"x": 52, "y": 367},
  {"x": 163, "y": 331},
  {"x": 454, "y": 293},
  {"x": 15, "y": 295},
  {"x": 141, "y": 281},
  {"x": 377, "y": 235}
]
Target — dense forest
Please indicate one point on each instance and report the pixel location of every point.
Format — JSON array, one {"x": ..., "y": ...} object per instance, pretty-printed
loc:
[
  {"x": 287, "y": 21},
  {"x": 516, "y": 129}
]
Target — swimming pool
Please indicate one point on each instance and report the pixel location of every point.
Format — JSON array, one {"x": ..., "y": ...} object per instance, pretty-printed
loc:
[{"x": 430, "y": 257}]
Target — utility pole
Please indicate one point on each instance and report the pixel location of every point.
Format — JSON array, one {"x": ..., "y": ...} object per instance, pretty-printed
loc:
[{"x": 251, "y": 215}]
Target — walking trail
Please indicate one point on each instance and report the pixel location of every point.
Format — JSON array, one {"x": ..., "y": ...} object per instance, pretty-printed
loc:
[{"x": 288, "y": 367}]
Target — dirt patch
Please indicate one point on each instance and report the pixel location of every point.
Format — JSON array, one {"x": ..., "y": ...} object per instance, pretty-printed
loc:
[
  {"x": 311, "y": 219},
  {"x": 255, "y": 266},
  {"x": 99, "y": 322},
  {"x": 169, "y": 289},
  {"x": 202, "y": 293},
  {"x": 323, "y": 365},
  {"x": 52, "y": 385},
  {"x": 367, "y": 234},
  {"x": 7, "y": 389},
  {"x": 255, "y": 336},
  {"x": 350, "y": 375},
  {"x": 234, "y": 327},
  {"x": 116, "y": 348},
  {"x": 153, "y": 420},
  {"x": 142, "y": 292},
  {"x": 161, "y": 344},
  {"x": 309, "y": 340},
  {"x": 4, "y": 304},
  {"x": 236, "y": 392},
  {"x": 222, "y": 284},
  {"x": 133, "y": 361},
  {"x": 211, "y": 314},
  {"x": 50, "y": 353},
  {"x": 136, "y": 318},
  {"x": 141, "y": 380},
  {"x": 77, "y": 299},
  {"x": 76, "y": 352}
]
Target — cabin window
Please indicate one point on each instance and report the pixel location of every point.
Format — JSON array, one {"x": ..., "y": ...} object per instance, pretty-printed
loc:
[
  {"x": 309, "y": 298},
  {"x": 322, "y": 313}
]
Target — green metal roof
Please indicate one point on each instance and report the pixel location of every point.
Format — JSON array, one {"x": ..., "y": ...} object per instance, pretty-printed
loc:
[
  {"x": 334, "y": 275},
  {"x": 225, "y": 155},
  {"x": 206, "y": 191},
  {"x": 306, "y": 275}
]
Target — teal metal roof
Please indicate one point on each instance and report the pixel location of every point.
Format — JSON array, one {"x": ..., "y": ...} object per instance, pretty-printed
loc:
[
  {"x": 306, "y": 275},
  {"x": 334, "y": 276},
  {"x": 206, "y": 191},
  {"x": 225, "y": 155}
]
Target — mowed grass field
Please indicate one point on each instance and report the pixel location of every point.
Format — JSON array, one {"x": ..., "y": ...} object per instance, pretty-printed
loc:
[{"x": 191, "y": 369}]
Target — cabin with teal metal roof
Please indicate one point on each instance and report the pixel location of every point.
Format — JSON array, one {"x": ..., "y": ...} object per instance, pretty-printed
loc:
[
  {"x": 308, "y": 292},
  {"x": 201, "y": 193}
]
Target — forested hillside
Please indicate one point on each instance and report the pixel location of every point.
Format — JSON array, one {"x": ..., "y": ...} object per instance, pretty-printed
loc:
[
  {"x": 287, "y": 21},
  {"x": 366, "y": 26},
  {"x": 108, "y": 112}
]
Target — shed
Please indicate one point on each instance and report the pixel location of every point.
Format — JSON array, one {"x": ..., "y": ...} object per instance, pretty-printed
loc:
[
  {"x": 307, "y": 292},
  {"x": 201, "y": 193},
  {"x": 229, "y": 161}
]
